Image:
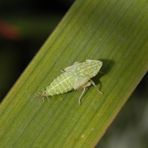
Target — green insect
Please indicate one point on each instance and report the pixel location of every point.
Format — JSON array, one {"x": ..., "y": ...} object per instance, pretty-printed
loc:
[{"x": 74, "y": 77}]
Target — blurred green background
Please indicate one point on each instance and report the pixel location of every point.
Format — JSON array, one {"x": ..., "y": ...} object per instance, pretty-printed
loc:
[{"x": 24, "y": 27}]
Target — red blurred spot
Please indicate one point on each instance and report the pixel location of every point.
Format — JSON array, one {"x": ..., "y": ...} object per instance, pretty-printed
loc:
[{"x": 9, "y": 31}]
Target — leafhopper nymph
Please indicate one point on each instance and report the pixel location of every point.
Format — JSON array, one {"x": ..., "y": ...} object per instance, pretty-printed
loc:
[{"x": 74, "y": 77}]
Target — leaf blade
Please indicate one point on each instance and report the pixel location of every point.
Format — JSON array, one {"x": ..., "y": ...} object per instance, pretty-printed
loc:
[{"x": 118, "y": 37}]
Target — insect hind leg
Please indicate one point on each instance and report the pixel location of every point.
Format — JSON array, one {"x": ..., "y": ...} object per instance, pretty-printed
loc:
[
  {"x": 93, "y": 83},
  {"x": 83, "y": 92}
]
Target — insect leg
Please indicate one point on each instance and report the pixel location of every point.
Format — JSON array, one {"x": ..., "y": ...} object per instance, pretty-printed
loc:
[
  {"x": 84, "y": 89},
  {"x": 93, "y": 83}
]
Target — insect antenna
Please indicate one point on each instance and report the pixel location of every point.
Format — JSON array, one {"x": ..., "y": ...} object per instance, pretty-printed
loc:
[{"x": 40, "y": 95}]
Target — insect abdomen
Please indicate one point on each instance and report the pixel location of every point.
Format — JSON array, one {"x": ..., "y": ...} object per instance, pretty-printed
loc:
[{"x": 60, "y": 85}]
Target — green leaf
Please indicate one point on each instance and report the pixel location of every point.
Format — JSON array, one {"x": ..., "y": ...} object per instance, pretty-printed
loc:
[{"x": 114, "y": 31}]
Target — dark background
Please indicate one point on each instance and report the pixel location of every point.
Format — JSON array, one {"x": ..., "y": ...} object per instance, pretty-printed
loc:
[{"x": 24, "y": 26}]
